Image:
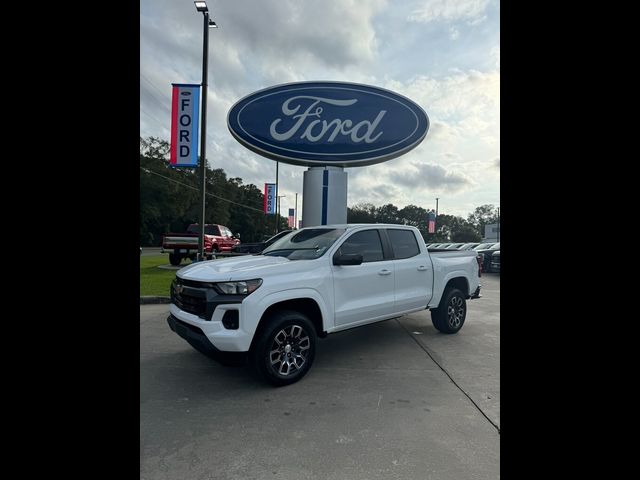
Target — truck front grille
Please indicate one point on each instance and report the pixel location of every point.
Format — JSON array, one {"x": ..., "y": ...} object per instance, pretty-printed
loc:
[{"x": 189, "y": 299}]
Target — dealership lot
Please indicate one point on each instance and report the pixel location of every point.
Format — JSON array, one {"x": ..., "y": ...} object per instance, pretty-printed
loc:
[{"x": 395, "y": 399}]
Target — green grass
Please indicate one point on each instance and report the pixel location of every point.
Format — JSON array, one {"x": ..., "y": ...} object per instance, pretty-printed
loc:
[{"x": 153, "y": 280}]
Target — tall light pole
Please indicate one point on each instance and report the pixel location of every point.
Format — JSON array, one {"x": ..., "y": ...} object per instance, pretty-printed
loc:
[
  {"x": 278, "y": 212},
  {"x": 437, "y": 207},
  {"x": 498, "y": 231},
  {"x": 201, "y": 6},
  {"x": 295, "y": 216}
]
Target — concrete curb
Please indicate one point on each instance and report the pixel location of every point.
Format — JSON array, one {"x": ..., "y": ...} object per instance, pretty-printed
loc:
[{"x": 149, "y": 300}]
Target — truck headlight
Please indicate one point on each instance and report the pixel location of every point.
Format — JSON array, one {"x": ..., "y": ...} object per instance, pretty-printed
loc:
[{"x": 239, "y": 288}]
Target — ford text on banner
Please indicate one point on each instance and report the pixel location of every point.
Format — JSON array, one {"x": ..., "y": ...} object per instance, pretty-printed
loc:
[
  {"x": 269, "y": 198},
  {"x": 185, "y": 106}
]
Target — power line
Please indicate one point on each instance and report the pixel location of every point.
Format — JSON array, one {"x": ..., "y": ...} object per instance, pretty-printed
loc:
[
  {"x": 152, "y": 117},
  {"x": 194, "y": 188},
  {"x": 152, "y": 95},
  {"x": 150, "y": 83}
]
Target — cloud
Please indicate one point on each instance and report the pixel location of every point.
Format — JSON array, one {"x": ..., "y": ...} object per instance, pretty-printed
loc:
[
  {"x": 431, "y": 176},
  {"x": 267, "y": 42},
  {"x": 465, "y": 103},
  {"x": 495, "y": 55},
  {"x": 496, "y": 162},
  {"x": 449, "y": 10}
]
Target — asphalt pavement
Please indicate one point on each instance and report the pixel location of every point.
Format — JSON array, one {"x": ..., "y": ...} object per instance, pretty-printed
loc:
[{"x": 392, "y": 400}]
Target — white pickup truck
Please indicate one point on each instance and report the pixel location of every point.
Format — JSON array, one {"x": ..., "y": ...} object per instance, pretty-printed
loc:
[{"x": 313, "y": 282}]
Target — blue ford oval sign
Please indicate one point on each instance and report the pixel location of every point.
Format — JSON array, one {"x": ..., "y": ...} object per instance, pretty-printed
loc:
[{"x": 328, "y": 123}]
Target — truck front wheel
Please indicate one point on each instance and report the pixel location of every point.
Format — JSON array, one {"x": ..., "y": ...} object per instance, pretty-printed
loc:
[
  {"x": 175, "y": 259},
  {"x": 450, "y": 314},
  {"x": 285, "y": 348}
]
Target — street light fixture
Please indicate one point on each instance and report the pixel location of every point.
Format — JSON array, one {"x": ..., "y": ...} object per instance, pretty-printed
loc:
[{"x": 202, "y": 7}]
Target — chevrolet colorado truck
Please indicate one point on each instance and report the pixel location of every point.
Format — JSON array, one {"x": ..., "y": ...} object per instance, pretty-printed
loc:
[
  {"x": 272, "y": 307},
  {"x": 217, "y": 238}
]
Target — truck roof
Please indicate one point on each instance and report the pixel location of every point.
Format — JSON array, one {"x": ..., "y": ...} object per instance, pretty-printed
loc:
[{"x": 354, "y": 225}]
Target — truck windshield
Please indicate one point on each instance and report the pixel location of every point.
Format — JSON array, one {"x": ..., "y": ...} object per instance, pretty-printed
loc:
[{"x": 306, "y": 244}]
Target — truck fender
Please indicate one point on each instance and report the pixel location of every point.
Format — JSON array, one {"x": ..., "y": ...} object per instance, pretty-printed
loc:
[
  {"x": 437, "y": 296},
  {"x": 294, "y": 294}
]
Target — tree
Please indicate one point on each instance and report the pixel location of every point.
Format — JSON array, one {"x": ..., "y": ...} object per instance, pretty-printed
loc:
[
  {"x": 170, "y": 199},
  {"x": 481, "y": 216},
  {"x": 465, "y": 233},
  {"x": 361, "y": 213},
  {"x": 388, "y": 214}
]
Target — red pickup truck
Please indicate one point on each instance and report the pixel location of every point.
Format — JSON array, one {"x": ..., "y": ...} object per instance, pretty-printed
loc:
[{"x": 217, "y": 238}]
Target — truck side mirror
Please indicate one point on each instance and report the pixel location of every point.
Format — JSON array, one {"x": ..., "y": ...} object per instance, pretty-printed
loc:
[{"x": 347, "y": 259}]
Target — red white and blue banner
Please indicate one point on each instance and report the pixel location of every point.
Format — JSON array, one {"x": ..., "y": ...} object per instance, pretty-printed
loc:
[
  {"x": 185, "y": 107},
  {"x": 291, "y": 221},
  {"x": 270, "y": 198},
  {"x": 432, "y": 222}
]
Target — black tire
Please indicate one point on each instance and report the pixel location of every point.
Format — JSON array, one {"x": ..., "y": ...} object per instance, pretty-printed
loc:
[
  {"x": 297, "y": 337},
  {"x": 450, "y": 315},
  {"x": 175, "y": 259},
  {"x": 214, "y": 250}
]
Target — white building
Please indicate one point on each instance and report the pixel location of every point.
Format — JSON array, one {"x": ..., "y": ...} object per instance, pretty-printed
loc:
[{"x": 491, "y": 233}]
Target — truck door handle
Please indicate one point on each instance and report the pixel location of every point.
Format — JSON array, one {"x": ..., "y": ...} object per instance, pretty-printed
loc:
[
  {"x": 384, "y": 271},
  {"x": 422, "y": 268}
]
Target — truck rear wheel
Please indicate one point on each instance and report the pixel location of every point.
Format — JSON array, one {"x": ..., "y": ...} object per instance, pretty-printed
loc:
[
  {"x": 285, "y": 348},
  {"x": 451, "y": 313},
  {"x": 175, "y": 259}
]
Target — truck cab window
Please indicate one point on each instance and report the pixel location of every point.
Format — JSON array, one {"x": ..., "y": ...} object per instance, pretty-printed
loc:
[
  {"x": 404, "y": 243},
  {"x": 366, "y": 243}
]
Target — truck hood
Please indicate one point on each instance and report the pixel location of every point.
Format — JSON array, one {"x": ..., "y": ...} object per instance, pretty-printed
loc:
[{"x": 241, "y": 268}]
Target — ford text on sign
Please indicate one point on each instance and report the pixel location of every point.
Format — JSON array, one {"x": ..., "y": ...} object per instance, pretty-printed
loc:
[
  {"x": 269, "y": 198},
  {"x": 328, "y": 123},
  {"x": 185, "y": 103}
]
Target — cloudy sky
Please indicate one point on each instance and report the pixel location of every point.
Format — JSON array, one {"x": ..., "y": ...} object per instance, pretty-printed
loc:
[{"x": 442, "y": 54}]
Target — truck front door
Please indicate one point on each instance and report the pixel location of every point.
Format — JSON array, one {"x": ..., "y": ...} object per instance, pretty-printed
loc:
[{"x": 365, "y": 291}]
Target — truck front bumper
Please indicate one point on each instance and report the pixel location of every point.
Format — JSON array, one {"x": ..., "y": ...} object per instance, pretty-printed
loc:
[{"x": 196, "y": 338}]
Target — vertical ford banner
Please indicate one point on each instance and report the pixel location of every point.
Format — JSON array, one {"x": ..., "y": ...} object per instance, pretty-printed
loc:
[
  {"x": 269, "y": 198},
  {"x": 185, "y": 104}
]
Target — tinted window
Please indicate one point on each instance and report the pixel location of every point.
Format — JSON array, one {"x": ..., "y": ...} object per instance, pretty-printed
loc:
[
  {"x": 404, "y": 243},
  {"x": 366, "y": 243},
  {"x": 211, "y": 230},
  {"x": 305, "y": 244}
]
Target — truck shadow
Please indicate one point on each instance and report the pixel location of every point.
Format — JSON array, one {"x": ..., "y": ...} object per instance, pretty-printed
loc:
[{"x": 188, "y": 373}]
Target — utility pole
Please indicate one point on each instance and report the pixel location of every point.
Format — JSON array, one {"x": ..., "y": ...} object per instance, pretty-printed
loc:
[
  {"x": 437, "y": 207},
  {"x": 498, "y": 231},
  {"x": 278, "y": 209},
  {"x": 295, "y": 216},
  {"x": 201, "y": 6}
]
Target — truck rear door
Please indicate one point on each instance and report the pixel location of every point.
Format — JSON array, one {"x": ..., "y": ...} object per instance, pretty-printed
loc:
[{"x": 413, "y": 270}]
